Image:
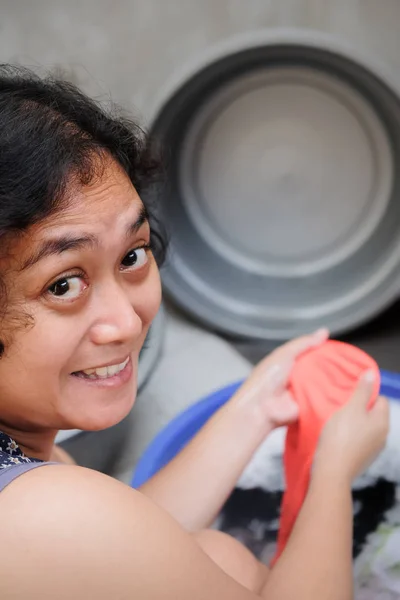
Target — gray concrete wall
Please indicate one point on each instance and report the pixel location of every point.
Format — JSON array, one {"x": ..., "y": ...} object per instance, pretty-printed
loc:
[{"x": 130, "y": 48}]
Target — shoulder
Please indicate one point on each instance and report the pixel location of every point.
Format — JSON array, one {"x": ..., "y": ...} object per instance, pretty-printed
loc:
[
  {"x": 78, "y": 533},
  {"x": 74, "y": 522},
  {"x": 60, "y": 494}
]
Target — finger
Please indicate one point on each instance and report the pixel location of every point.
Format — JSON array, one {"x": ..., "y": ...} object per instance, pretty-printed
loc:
[
  {"x": 278, "y": 374},
  {"x": 363, "y": 393},
  {"x": 384, "y": 410},
  {"x": 295, "y": 347},
  {"x": 380, "y": 417},
  {"x": 381, "y": 406}
]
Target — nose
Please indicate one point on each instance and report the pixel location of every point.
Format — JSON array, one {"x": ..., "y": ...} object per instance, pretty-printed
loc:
[{"x": 116, "y": 320}]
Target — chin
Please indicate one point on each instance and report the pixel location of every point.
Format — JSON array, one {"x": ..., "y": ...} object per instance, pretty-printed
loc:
[
  {"x": 108, "y": 419},
  {"x": 101, "y": 409}
]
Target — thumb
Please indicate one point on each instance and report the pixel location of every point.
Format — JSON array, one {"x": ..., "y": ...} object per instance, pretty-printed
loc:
[
  {"x": 283, "y": 409},
  {"x": 363, "y": 393},
  {"x": 381, "y": 407},
  {"x": 290, "y": 407}
]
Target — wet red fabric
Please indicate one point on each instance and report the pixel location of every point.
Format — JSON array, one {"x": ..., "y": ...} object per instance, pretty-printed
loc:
[{"x": 322, "y": 381}]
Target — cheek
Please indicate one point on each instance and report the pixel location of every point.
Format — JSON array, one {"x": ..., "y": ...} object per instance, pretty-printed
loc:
[
  {"x": 50, "y": 342},
  {"x": 30, "y": 368}
]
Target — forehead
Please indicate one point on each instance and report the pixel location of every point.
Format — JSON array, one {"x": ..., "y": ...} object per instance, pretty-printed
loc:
[
  {"x": 100, "y": 208},
  {"x": 106, "y": 201}
]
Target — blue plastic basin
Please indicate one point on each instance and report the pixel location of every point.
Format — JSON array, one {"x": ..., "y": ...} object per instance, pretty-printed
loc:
[{"x": 182, "y": 428}]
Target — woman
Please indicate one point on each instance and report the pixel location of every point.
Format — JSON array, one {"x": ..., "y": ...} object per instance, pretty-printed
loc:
[{"x": 80, "y": 287}]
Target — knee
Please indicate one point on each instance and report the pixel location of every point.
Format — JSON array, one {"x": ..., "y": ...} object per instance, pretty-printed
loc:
[{"x": 233, "y": 558}]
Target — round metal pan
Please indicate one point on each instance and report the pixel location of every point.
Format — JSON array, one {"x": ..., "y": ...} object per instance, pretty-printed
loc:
[{"x": 283, "y": 204}]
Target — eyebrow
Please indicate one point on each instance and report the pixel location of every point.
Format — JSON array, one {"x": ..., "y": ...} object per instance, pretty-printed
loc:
[{"x": 68, "y": 242}]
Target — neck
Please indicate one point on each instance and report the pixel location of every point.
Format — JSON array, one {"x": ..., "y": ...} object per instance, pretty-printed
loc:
[{"x": 35, "y": 444}]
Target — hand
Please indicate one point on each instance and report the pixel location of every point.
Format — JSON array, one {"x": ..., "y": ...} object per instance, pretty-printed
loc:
[
  {"x": 265, "y": 390},
  {"x": 355, "y": 435}
]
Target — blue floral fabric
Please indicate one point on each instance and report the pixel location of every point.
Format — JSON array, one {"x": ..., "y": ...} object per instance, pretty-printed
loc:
[{"x": 11, "y": 454}]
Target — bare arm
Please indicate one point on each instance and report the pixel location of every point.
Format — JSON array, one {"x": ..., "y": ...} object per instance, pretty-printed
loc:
[
  {"x": 318, "y": 556},
  {"x": 81, "y": 534},
  {"x": 195, "y": 485}
]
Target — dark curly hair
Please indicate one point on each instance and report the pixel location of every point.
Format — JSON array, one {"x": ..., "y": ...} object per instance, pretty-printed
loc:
[{"x": 51, "y": 134}]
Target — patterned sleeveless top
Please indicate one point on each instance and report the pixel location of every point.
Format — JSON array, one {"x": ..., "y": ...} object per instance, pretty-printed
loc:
[{"x": 13, "y": 461}]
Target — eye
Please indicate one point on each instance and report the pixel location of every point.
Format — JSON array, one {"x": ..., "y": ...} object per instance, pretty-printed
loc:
[
  {"x": 135, "y": 258},
  {"x": 67, "y": 288}
]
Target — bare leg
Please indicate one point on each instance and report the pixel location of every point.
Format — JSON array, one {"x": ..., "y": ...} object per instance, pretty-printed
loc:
[{"x": 233, "y": 558}]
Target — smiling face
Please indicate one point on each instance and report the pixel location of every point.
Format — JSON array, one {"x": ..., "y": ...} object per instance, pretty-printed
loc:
[{"x": 89, "y": 281}]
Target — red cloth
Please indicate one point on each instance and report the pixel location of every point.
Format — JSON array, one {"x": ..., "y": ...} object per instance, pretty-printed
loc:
[{"x": 322, "y": 381}]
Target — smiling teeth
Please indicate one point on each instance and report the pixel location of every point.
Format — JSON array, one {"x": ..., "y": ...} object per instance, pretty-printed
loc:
[{"x": 104, "y": 372}]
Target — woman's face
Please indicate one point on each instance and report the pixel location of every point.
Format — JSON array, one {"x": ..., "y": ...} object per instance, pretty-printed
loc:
[{"x": 91, "y": 284}]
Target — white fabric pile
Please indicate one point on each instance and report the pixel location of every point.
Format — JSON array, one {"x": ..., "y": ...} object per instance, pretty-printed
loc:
[{"x": 265, "y": 469}]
